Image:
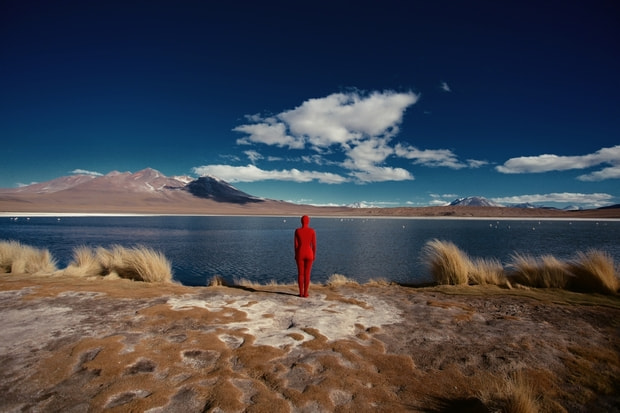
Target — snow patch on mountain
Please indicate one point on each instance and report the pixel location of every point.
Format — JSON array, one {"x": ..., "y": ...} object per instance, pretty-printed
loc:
[{"x": 475, "y": 201}]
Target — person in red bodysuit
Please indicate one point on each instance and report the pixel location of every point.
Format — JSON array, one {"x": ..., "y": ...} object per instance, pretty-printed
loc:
[{"x": 305, "y": 251}]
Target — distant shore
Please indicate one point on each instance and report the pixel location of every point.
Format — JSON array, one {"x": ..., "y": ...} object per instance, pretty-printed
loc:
[
  {"x": 351, "y": 216},
  {"x": 285, "y": 210}
]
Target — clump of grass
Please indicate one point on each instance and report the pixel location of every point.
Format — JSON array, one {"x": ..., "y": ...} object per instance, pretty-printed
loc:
[
  {"x": 244, "y": 282},
  {"x": 520, "y": 395},
  {"x": 17, "y": 258},
  {"x": 339, "y": 279},
  {"x": 544, "y": 272},
  {"x": 85, "y": 263},
  {"x": 513, "y": 394},
  {"x": 446, "y": 262},
  {"x": 141, "y": 264},
  {"x": 379, "y": 282},
  {"x": 487, "y": 271},
  {"x": 594, "y": 271},
  {"x": 137, "y": 263},
  {"x": 217, "y": 281}
]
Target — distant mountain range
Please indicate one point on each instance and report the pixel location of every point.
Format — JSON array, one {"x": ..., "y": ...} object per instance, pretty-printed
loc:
[
  {"x": 146, "y": 181},
  {"x": 145, "y": 191},
  {"x": 474, "y": 201},
  {"x": 149, "y": 191},
  {"x": 483, "y": 202}
]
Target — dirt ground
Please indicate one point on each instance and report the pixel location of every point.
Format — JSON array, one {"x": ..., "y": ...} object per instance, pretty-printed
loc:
[{"x": 79, "y": 345}]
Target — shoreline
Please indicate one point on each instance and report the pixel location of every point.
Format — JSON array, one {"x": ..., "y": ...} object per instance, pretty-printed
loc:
[
  {"x": 88, "y": 344},
  {"x": 361, "y": 216}
]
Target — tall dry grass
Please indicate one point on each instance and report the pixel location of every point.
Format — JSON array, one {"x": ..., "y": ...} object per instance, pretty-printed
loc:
[
  {"x": 84, "y": 263},
  {"x": 17, "y": 258},
  {"x": 487, "y": 271},
  {"x": 544, "y": 272},
  {"x": 339, "y": 279},
  {"x": 136, "y": 263},
  {"x": 512, "y": 394},
  {"x": 594, "y": 271},
  {"x": 446, "y": 262},
  {"x": 591, "y": 272}
]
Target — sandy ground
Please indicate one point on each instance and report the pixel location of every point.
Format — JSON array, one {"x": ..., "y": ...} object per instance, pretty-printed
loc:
[{"x": 78, "y": 345}]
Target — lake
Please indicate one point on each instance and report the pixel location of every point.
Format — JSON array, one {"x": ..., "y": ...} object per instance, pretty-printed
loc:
[{"x": 260, "y": 249}]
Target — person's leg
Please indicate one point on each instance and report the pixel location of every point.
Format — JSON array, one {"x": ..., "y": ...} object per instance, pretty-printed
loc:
[
  {"x": 307, "y": 271},
  {"x": 300, "y": 276}
]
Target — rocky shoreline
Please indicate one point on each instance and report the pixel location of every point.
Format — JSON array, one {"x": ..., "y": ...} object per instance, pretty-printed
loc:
[{"x": 76, "y": 344}]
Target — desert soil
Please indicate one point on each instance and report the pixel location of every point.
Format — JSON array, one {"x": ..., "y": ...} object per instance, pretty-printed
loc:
[{"x": 79, "y": 345}]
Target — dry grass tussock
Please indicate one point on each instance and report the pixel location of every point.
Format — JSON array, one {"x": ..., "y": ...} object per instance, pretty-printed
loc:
[
  {"x": 544, "y": 272},
  {"x": 18, "y": 258},
  {"x": 485, "y": 271},
  {"x": 244, "y": 282},
  {"x": 136, "y": 263},
  {"x": 446, "y": 262},
  {"x": 513, "y": 394},
  {"x": 594, "y": 271},
  {"x": 339, "y": 279},
  {"x": 590, "y": 272}
]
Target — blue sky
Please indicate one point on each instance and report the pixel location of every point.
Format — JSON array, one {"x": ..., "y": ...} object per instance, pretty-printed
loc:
[{"x": 330, "y": 102}]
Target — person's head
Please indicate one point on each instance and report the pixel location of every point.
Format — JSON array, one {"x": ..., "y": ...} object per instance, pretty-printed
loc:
[{"x": 305, "y": 220}]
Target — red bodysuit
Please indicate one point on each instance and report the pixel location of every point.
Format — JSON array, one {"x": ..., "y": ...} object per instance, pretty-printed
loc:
[{"x": 305, "y": 251}]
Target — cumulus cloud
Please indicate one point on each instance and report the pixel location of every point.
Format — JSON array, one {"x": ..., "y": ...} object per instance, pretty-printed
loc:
[
  {"x": 352, "y": 131},
  {"x": 86, "y": 172},
  {"x": 595, "y": 199},
  {"x": 269, "y": 133},
  {"x": 346, "y": 118},
  {"x": 251, "y": 173},
  {"x": 550, "y": 162}
]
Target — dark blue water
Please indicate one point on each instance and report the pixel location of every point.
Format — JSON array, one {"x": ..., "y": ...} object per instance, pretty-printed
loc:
[{"x": 260, "y": 249}]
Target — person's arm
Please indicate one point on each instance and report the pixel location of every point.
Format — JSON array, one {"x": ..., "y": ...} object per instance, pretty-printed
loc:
[
  {"x": 313, "y": 244},
  {"x": 296, "y": 243}
]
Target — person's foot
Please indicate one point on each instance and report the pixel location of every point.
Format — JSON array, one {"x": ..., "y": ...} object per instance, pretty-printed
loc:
[{"x": 305, "y": 295}]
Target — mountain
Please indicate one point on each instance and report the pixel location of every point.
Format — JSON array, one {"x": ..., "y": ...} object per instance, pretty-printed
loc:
[
  {"x": 572, "y": 208},
  {"x": 525, "y": 205},
  {"x": 218, "y": 190},
  {"x": 474, "y": 201},
  {"x": 361, "y": 204},
  {"x": 147, "y": 180},
  {"x": 144, "y": 192},
  {"x": 54, "y": 185}
]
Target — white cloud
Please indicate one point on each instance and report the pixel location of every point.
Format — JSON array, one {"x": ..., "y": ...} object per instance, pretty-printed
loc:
[
  {"x": 550, "y": 162},
  {"x": 253, "y": 156},
  {"x": 445, "y": 87},
  {"x": 269, "y": 134},
  {"x": 21, "y": 184},
  {"x": 251, "y": 173},
  {"x": 85, "y": 172},
  {"x": 382, "y": 174},
  {"x": 442, "y": 199},
  {"x": 355, "y": 126},
  {"x": 434, "y": 157},
  {"x": 595, "y": 199},
  {"x": 345, "y": 118},
  {"x": 613, "y": 172},
  {"x": 473, "y": 163}
]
